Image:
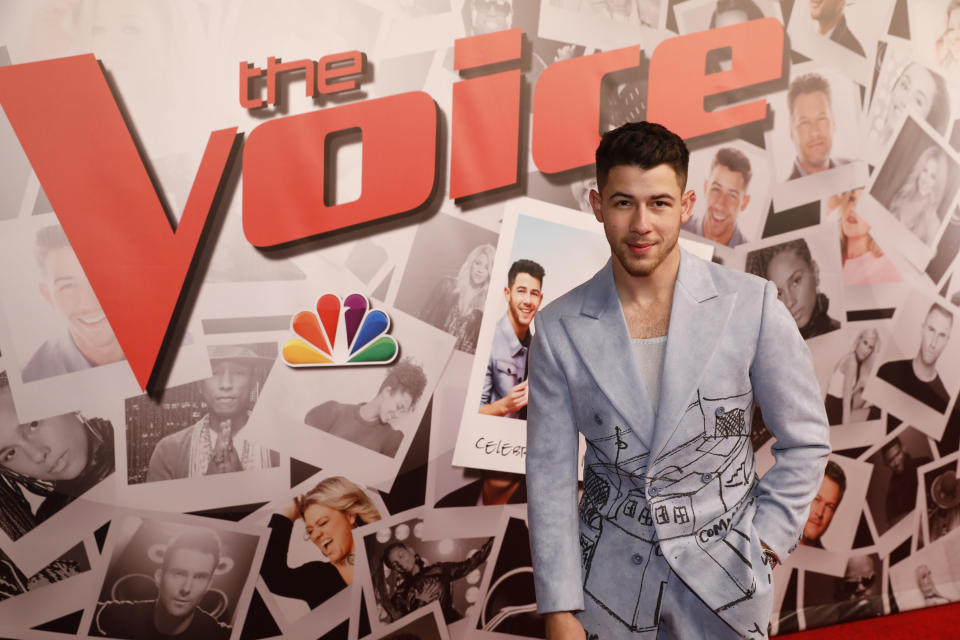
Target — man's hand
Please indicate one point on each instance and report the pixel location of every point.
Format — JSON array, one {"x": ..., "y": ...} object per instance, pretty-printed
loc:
[
  {"x": 515, "y": 400},
  {"x": 562, "y": 625}
]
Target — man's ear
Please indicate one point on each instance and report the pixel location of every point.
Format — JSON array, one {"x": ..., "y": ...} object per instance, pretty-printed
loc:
[
  {"x": 595, "y": 203},
  {"x": 45, "y": 292},
  {"x": 746, "y": 202},
  {"x": 687, "y": 201},
  {"x": 506, "y": 295}
]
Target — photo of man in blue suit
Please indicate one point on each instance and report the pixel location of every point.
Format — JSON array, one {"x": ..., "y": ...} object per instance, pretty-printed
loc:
[{"x": 675, "y": 536}]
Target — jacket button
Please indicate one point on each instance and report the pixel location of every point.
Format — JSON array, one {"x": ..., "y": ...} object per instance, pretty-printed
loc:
[
  {"x": 637, "y": 559},
  {"x": 597, "y": 418},
  {"x": 654, "y": 491},
  {"x": 719, "y": 412},
  {"x": 706, "y": 477}
]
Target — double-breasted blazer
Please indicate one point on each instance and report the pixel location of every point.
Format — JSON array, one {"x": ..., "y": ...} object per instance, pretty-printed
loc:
[{"x": 678, "y": 483}]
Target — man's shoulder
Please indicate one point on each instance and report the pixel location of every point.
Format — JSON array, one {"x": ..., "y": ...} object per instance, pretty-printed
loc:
[
  {"x": 205, "y": 626},
  {"x": 119, "y": 618},
  {"x": 177, "y": 438},
  {"x": 895, "y": 367},
  {"x": 52, "y": 359},
  {"x": 728, "y": 280},
  {"x": 568, "y": 303}
]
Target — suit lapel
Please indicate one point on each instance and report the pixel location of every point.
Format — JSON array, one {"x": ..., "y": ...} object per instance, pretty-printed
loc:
[
  {"x": 698, "y": 321},
  {"x": 599, "y": 334}
]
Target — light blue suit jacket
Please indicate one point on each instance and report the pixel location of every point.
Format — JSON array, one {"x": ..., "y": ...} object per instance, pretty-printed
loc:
[{"x": 679, "y": 483}]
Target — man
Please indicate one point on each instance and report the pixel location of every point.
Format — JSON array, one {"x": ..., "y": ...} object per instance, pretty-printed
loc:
[
  {"x": 88, "y": 340},
  {"x": 831, "y": 23},
  {"x": 416, "y": 585},
  {"x": 212, "y": 444},
  {"x": 726, "y": 194},
  {"x": 918, "y": 376},
  {"x": 370, "y": 424},
  {"x": 811, "y": 125},
  {"x": 928, "y": 589},
  {"x": 676, "y": 535},
  {"x": 189, "y": 564},
  {"x": 487, "y": 16},
  {"x": 824, "y": 505},
  {"x": 943, "y": 504},
  {"x": 505, "y": 381},
  {"x": 902, "y": 488}
]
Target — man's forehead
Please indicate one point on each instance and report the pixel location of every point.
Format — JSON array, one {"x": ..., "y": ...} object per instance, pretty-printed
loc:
[
  {"x": 635, "y": 176},
  {"x": 192, "y": 559}
]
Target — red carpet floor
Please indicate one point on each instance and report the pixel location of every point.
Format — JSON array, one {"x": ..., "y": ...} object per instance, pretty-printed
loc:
[{"x": 934, "y": 623}]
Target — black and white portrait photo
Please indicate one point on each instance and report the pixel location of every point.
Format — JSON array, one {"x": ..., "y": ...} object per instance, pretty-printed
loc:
[
  {"x": 941, "y": 497},
  {"x": 892, "y": 494},
  {"x": 854, "y": 596}
]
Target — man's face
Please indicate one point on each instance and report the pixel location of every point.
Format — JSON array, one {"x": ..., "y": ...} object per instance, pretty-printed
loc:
[
  {"x": 811, "y": 128},
  {"x": 859, "y": 578},
  {"x": 826, "y": 10},
  {"x": 184, "y": 581},
  {"x": 925, "y": 581},
  {"x": 895, "y": 457},
  {"x": 822, "y": 509},
  {"x": 796, "y": 284},
  {"x": 726, "y": 198},
  {"x": 227, "y": 391},
  {"x": 934, "y": 335},
  {"x": 523, "y": 299},
  {"x": 393, "y": 404},
  {"x": 491, "y": 15},
  {"x": 66, "y": 288},
  {"x": 641, "y": 211},
  {"x": 49, "y": 449}
]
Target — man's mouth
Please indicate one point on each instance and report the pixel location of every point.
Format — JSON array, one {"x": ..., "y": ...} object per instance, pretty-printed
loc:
[
  {"x": 718, "y": 215},
  {"x": 93, "y": 319}
]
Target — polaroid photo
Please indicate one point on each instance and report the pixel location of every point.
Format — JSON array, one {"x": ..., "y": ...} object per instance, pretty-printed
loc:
[
  {"x": 191, "y": 450},
  {"x": 928, "y": 577},
  {"x": 356, "y": 419},
  {"x": 793, "y": 208},
  {"x": 940, "y": 498},
  {"x": 700, "y": 15},
  {"x": 843, "y": 360},
  {"x": 163, "y": 571},
  {"x": 856, "y": 595},
  {"x": 912, "y": 381},
  {"x": 464, "y": 501},
  {"x": 401, "y": 572},
  {"x": 426, "y": 623},
  {"x": 911, "y": 193},
  {"x": 57, "y": 474},
  {"x": 894, "y": 485},
  {"x": 446, "y": 277},
  {"x": 805, "y": 266},
  {"x": 944, "y": 260},
  {"x": 306, "y": 570},
  {"x": 571, "y": 190},
  {"x": 19, "y": 187},
  {"x": 732, "y": 182},
  {"x": 843, "y": 35},
  {"x": 835, "y": 510},
  {"x": 605, "y": 25},
  {"x": 816, "y": 134},
  {"x": 933, "y": 28},
  {"x": 539, "y": 238},
  {"x": 26, "y": 601},
  {"x": 508, "y": 607},
  {"x": 59, "y": 345},
  {"x": 904, "y": 85},
  {"x": 410, "y": 27}
]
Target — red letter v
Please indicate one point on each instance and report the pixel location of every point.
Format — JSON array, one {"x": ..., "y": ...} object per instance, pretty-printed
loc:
[{"x": 74, "y": 135}]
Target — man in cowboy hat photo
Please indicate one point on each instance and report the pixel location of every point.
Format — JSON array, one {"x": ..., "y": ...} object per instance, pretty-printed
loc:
[
  {"x": 943, "y": 504},
  {"x": 211, "y": 445}
]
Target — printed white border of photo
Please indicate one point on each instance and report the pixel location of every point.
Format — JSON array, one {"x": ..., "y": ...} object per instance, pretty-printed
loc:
[
  {"x": 845, "y": 141},
  {"x": 119, "y": 527},
  {"x": 793, "y": 193},
  {"x": 28, "y": 314},
  {"x": 277, "y": 418},
  {"x": 936, "y": 556},
  {"x": 431, "y": 611},
  {"x": 46, "y": 542},
  {"x": 457, "y": 629},
  {"x": 887, "y": 229},
  {"x": 580, "y": 234},
  {"x": 598, "y": 32},
  {"x": 866, "y": 20},
  {"x": 285, "y": 609},
  {"x": 907, "y": 321},
  {"x": 922, "y": 507},
  {"x": 694, "y": 15}
]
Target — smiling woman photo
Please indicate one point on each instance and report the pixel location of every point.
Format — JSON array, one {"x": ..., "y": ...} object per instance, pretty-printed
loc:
[{"x": 330, "y": 511}]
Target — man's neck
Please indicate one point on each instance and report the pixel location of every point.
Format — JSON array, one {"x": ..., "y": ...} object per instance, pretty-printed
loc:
[
  {"x": 720, "y": 238},
  {"x": 810, "y": 169},
  {"x": 237, "y": 422},
  {"x": 168, "y": 625},
  {"x": 656, "y": 286},
  {"x": 924, "y": 372},
  {"x": 494, "y": 494},
  {"x": 520, "y": 330},
  {"x": 826, "y": 26}
]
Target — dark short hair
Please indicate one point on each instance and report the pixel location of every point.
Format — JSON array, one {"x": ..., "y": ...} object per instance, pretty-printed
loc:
[
  {"x": 645, "y": 145},
  {"x": 202, "y": 540},
  {"x": 835, "y": 473},
  {"x": 895, "y": 442},
  {"x": 735, "y": 160},
  {"x": 525, "y": 266},
  {"x": 758, "y": 261},
  {"x": 751, "y": 10},
  {"x": 388, "y": 561},
  {"x": 936, "y": 306},
  {"x": 49, "y": 239},
  {"x": 807, "y": 83},
  {"x": 408, "y": 376}
]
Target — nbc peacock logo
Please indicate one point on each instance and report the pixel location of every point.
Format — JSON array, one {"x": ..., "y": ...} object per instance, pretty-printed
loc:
[{"x": 340, "y": 332}]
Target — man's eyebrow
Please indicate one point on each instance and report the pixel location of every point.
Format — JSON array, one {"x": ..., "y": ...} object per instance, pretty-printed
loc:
[
  {"x": 59, "y": 278},
  {"x": 621, "y": 194},
  {"x": 661, "y": 196}
]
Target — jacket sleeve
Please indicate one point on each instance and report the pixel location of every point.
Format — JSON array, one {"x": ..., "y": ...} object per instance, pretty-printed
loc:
[
  {"x": 786, "y": 389},
  {"x": 552, "y": 444}
]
